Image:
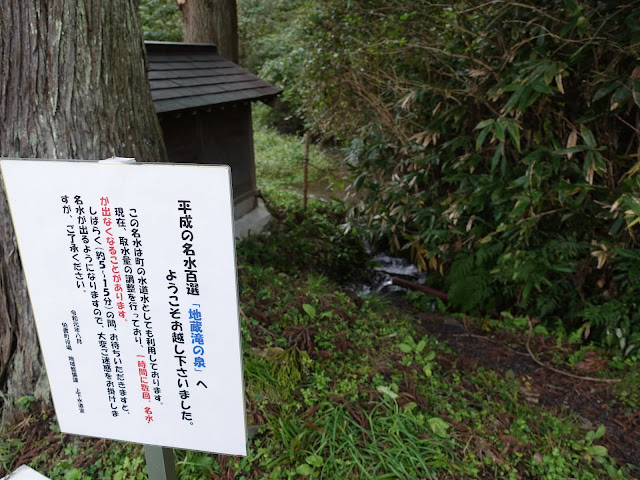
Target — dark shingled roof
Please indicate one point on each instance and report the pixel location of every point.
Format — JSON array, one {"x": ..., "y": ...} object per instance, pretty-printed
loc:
[{"x": 185, "y": 76}]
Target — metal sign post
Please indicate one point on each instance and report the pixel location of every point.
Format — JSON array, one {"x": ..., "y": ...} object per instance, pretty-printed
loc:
[{"x": 160, "y": 465}]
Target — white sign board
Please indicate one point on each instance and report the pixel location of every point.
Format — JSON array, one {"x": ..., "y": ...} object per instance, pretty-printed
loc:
[
  {"x": 132, "y": 277},
  {"x": 25, "y": 472}
]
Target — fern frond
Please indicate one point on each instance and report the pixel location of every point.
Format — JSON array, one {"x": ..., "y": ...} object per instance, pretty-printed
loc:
[{"x": 460, "y": 269}]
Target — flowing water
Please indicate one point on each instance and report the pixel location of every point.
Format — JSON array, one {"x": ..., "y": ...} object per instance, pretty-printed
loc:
[{"x": 385, "y": 268}]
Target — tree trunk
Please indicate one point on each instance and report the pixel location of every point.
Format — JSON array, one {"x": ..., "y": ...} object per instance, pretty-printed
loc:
[
  {"x": 198, "y": 20},
  {"x": 226, "y": 18},
  {"x": 73, "y": 85},
  {"x": 212, "y": 21}
]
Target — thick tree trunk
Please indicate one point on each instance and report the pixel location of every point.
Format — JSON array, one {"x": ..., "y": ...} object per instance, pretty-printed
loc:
[
  {"x": 212, "y": 21},
  {"x": 226, "y": 15},
  {"x": 72, "y": 85},
  {"x": 198, "y": 21}
]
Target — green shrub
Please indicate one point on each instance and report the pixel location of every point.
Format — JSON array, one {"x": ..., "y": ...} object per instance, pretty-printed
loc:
[
  {"x": 272, "y": 45},
  {"x": 496, "y": 143},
  {"x": 306, "y": 241}
]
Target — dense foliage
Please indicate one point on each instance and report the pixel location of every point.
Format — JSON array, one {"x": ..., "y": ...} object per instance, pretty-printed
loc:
[
  {"x": 161, "y": 20},
  {"x": 273, "y": 45},
  {"x": 308, "y": 240},
  {"x": 495, "y": 141}
]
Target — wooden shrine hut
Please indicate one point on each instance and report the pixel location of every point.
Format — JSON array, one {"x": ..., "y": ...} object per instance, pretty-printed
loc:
[{"x": 203, "y": 102}]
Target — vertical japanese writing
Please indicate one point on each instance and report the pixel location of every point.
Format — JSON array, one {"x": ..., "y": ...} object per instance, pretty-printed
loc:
[
  {"x": 130, "y": 282},
  {"x": 90, "y": 266},
  {"x": 177, "y": 338},
  {"x": 115, "y": 383},
  {"x": 109, "y": 260},
  {"x": 143, "y": 295},
  {"x": 71, "y": 234},
  {"x": 143, "y": 375},
  {"x": 102, "y": 265},
  {"x": 133, "y": 276},
  {"x": 76, "y": 327},
  {"x": 83, "y": 231},
  {"x": 119, "y": 369},
  {"x": 190, "y": 269},
  {"x": 72, "y": 366},
  {"x": 197, "y": 337},
  {"x": 107, "y": 372},
  {"x": 79, "y": 400},
  {"x": 136, "y": 290},
  {"x": 65, "y": 333},
  {"x": 116, "y": 276}
]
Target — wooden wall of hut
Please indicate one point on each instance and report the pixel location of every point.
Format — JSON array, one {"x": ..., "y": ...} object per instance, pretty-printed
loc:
[{"x": 218, "y": 136}]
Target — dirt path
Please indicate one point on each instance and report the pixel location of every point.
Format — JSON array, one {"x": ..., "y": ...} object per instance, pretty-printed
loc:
[{"x": 593, "y": 403}]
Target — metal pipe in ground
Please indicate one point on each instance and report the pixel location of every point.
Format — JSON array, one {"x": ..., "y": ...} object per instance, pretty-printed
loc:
[
  {"x": 401, "y": 282},
  {"x": 160, "y": 464},
  {"x": 305, "y": 187}
]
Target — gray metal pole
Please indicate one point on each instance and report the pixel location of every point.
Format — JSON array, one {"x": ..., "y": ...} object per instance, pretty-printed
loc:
[{"x": 160, "y": 465}]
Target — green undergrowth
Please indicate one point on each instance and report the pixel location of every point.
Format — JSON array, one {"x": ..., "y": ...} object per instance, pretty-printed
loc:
[
  {"x": 340, "y": 386},
  {"x": 306, "y": 240},
  {"x": 365, "y": 395},
  {"x": 280, "y": 158}
]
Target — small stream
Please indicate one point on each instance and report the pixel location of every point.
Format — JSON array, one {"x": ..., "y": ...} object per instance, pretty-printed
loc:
[{"x": 384, "y": 268}]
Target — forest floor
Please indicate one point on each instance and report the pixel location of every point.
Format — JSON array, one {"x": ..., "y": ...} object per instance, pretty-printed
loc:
[
  {"x": 593, "y": 402},
  {"x": 516, "y": 354},
  {"x": 472, "y": 347}
]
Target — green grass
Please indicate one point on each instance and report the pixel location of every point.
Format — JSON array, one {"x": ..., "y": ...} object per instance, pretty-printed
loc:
[{"x": 279, "y": 158}]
